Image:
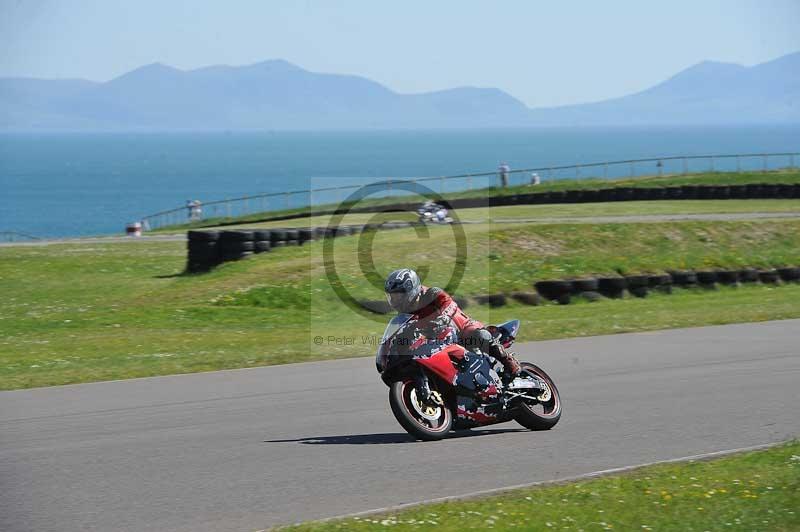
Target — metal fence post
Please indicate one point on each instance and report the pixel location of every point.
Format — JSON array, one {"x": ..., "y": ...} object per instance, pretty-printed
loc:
[
  {"x": 605, "y": 170},
  {"x": 577, "y": 171},
  {"x": 469, "y": 182},
  {"x": 764, "y": 157},
  {"x": 712, "y": 164},
  {"x": 632, "y": 168},
  {"x": 228, "y": 207}
]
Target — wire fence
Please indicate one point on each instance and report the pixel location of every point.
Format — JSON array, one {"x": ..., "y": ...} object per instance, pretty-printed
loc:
[{"x": 321, "y": 195}]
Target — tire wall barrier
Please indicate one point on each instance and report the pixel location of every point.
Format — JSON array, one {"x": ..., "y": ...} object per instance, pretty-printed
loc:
[
  {"x": 758, "y": 191},
  {"x": 207, "y": 249},
  {"x": 565, "y": 291},
  {"x": 592, "y": 289}
]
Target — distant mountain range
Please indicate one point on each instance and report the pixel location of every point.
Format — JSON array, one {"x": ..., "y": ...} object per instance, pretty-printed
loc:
[{"x": 276, "y": 95}]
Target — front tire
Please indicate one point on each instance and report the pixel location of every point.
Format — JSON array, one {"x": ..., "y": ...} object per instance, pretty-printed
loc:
[
  {"x": 424, "y": 422},
  {"x": 542, "y": 415}
]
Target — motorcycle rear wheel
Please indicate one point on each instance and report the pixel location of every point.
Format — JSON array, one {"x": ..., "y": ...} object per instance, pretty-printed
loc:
[
  {"x": 422, "y": 421},
  {"x": 540, "y": 415}
]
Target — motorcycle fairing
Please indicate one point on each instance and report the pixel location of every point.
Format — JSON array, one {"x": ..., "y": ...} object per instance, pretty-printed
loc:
[
  {"x": 469, "y": 413},
  {"x": 473, "y": 372},
  {"x": 505, "y": 333},
  {"x": 441, "y": 363}
]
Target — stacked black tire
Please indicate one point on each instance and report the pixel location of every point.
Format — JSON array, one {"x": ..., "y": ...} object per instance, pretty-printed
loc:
[
  {"x": 208, "y": 249},
  {"x": 236, "y": 245},
  {"x": 493, "y": 300},
  {"x": 638, "y": 285},
  {"x": 555, "y": 290},
  {"x": 789, "y": 274},
  {"x": 262, "y": 241},
  {"x": 203, "y": 252},
  {"x": 661, "y": 282},
  {"x": 612, "y": 287}
]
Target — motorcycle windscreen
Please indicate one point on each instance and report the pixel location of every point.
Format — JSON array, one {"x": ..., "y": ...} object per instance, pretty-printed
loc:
[{"x": 384, "y": 349}]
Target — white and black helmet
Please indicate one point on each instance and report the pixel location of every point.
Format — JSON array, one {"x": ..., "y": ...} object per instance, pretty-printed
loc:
[{"x": 402, "y": 288}]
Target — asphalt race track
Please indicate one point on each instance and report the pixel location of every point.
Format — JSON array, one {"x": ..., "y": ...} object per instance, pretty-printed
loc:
[{"x": 249, "y": 449}]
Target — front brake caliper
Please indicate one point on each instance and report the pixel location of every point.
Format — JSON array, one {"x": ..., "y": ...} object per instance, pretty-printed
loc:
[
  {"x": 436, "y": 398},
  {"x": 546, "y": 394}
]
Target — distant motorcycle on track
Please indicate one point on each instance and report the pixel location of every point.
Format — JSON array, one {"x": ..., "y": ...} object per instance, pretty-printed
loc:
[
  {"x": 436, "y": 388},
  {"x": 433, "y": 213}
]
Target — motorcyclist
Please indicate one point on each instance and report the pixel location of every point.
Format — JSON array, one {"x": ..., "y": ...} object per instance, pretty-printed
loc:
[{"x": 438, "y": 312}]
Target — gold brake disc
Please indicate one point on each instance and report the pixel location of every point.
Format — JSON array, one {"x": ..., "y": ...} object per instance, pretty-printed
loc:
[{"x": 429, "y": 412}]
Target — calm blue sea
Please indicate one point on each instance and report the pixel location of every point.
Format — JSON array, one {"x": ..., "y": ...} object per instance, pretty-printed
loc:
[{"x": 86, "y": 184}]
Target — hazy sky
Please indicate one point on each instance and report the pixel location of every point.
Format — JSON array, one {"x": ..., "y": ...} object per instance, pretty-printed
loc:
[{"x": 543, "y": 52}]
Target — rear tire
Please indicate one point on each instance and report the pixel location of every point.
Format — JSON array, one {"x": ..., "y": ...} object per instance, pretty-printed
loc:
[
  {"x": 550, "y": 414},
  {"x": 401, "y": 400}
]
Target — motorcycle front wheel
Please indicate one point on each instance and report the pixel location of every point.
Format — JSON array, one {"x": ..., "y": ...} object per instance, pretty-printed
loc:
[
  {"x": 543, "y": 413},
  {"x": 422, "y": 420}
]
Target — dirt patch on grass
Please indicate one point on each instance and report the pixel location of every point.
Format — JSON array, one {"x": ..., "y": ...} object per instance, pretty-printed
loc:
[{"x": 536, "y": 244}]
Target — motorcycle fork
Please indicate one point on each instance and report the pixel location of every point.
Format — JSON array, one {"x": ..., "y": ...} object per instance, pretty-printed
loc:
[
  {"x": 424, "y": 391},
  {"x": 423, "y": 386}
]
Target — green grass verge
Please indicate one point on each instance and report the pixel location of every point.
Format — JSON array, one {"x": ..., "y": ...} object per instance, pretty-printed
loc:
[
  {"x": 753, "y": 491},
  {"x": 714, "y": 178},
  {"x": 87, "y": 312}
]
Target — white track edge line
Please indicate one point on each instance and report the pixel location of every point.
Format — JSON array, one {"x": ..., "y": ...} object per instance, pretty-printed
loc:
[{"x": 564, "y": 480}]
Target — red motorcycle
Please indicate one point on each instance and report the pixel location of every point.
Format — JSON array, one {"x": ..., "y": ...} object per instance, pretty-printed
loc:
[{"x": 438, "y": 386}]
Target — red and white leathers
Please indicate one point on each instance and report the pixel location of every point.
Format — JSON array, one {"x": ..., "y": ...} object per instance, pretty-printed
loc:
[
  {"x": 436, "y": 307},
  {"x": 439, "y": 315}
]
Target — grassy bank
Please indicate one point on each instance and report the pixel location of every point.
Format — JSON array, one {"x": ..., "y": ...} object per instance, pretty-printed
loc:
[
  {"x": 713, "y": 178},
  {"x": 86, "y": 312},
  {"x": 753, "y": 491}
]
